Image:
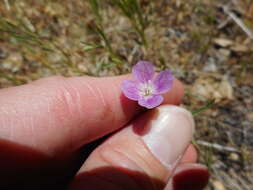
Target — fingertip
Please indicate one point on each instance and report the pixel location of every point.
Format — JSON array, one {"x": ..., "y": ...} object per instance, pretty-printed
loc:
[
  {"x": 189, "y": 176},
  {"x": 190, "y": 155},
  {"x": 175, "y": 95}
]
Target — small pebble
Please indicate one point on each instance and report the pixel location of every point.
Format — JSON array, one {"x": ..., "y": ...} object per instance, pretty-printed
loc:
[
  {"x": 218, "y": 185},
  {"x": 3, "y": 52},
  {"x": 233, "y": 156},
  {"x": 210, "y": 65}
]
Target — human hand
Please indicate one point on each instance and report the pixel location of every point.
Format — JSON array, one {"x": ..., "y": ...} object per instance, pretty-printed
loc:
[{"x": 49, "y": 127}]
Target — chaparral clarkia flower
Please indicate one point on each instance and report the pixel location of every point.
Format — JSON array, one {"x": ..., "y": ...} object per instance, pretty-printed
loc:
[{"x": 146, "y": 87}]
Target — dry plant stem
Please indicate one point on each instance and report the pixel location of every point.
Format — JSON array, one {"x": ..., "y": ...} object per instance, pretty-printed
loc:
[
  {"x": 7, "y": 4},
  {"x": 216, "y": 146},
  {"x": 239, "y": 22}
]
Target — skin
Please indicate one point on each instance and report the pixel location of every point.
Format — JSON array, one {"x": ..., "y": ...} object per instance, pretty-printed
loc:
[{"x": 48, "y": 129}]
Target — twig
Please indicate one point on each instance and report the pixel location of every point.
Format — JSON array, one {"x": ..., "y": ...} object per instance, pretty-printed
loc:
[
  {"x": 224, "y": 23},
  {"x": 238, "y": 21},
  {"x": 217, "y": 146},
  {"x": 7, "y": 5}
]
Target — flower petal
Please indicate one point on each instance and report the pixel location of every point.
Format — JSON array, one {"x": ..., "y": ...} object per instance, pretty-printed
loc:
[
  {"x": 150, "y": 102},
  {"x": 143, "y": 71},
  {"x": 163, "y": 82},
  {"x": 130, "y": 89}
]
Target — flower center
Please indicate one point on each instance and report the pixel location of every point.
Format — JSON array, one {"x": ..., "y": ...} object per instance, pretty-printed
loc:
[{"x": 146, "y": 89}]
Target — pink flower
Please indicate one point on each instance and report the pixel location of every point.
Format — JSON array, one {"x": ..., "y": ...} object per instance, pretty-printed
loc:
[{"x": 146, "y": 88}]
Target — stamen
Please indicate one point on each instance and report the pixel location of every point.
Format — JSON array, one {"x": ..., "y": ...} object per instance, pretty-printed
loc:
[{"x": 146, "y": 90}]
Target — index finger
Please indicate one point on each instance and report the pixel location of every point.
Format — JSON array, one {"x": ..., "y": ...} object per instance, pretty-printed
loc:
[{"x": 69, "y": 112}]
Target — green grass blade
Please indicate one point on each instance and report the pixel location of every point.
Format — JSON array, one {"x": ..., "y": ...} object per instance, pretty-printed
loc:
[{"x": 202, "y": 109}]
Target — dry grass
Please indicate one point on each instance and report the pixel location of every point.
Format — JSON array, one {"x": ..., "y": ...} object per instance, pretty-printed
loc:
[{"x": 210, "y": 51}]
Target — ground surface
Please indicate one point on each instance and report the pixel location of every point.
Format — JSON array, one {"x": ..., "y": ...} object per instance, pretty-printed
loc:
[{"x": 208, "y": 44}]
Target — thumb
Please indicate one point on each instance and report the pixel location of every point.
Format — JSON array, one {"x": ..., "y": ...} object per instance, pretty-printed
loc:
[{"x": 141, "y": 156}]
